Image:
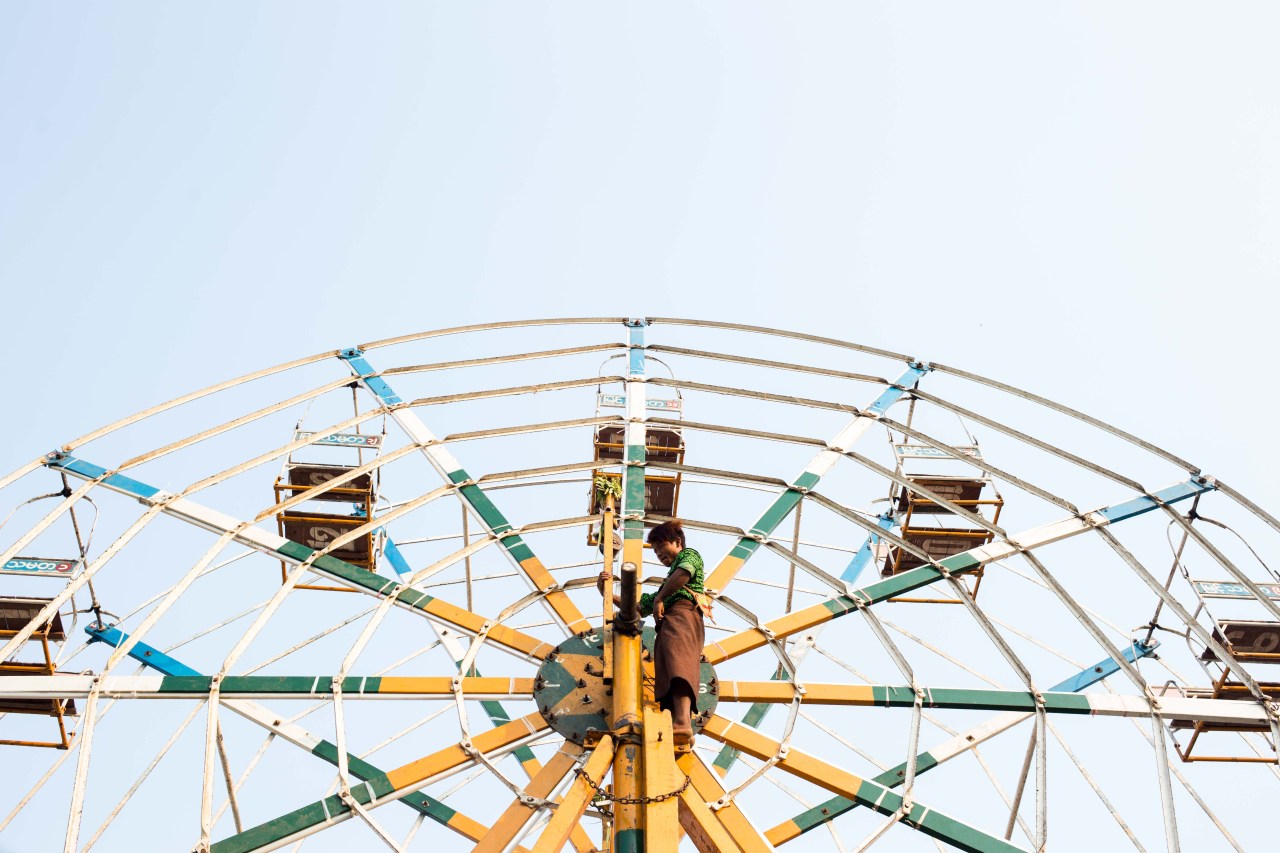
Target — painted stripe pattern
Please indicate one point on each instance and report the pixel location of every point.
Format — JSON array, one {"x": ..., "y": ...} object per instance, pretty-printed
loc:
[
  {"x": 756, "y": 713},
  {"x": 892, "y": 696},
  {"x": 637, "y": 437},
  {"x": 865, "y": 792},
  {"x": 925, "y": 761},
  {"x": 318, "y": 747},
  {"x": 809, "y": 478},
  {"x": 379, "y": 788},
  {"x": 293, "y": 552},
  {"x": 629, "y": 834},
  {"x": 282, "y": 686},
  {"x": 451, "y": 469},
  {"x": 842, "y": 605},
  {"x": 335, "y": 569},
  {"x": 862, "y": 559},
  {"x": 496, "y": 713},
  {"x": 886, "y": 696}
]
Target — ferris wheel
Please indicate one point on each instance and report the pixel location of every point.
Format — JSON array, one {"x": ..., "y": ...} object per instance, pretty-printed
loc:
[{"x": 351, "y": 600}]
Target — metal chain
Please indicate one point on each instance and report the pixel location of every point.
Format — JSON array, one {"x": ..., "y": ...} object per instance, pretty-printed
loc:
[{"x": 630, "y": 801}]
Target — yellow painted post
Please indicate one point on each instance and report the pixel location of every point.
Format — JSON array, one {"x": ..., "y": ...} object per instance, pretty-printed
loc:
[
  {"x": 607, "y": 614},
  {"x": 606, "y": 539},
  {"x": 661, "y": 819},
  {"x": 628, "y": 772}
]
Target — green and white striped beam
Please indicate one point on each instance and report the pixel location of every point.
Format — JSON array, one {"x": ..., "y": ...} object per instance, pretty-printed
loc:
[
  {"x": 828, "y": 811},
  {"x": 629, "y": 831},
  {"x": 863, "y": 791},
  {"x": 757, "y": 712},
  {"x": 971, "y": 699},
  {"x": 307, "y": 687},
  {"x": 900, "y": 584},
  {"x": 311, "y": 687},
  {"x": 449, "y": 639},
  {"x": 636, "y": 436},
  {"x": 817, "y": 468},
  {"x": 287, "y": 731},
  {"x": 383, "y": 788},
  {"x": 517, "y": 550},
  {"x": 516, "y": 642}
]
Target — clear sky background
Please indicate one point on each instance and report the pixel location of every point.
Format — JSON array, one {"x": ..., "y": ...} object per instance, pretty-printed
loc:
[{"x": 1081, "y": 199}]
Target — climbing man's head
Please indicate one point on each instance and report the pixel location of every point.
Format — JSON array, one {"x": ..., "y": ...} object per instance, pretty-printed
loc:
[{"x": 667, "y": 531}]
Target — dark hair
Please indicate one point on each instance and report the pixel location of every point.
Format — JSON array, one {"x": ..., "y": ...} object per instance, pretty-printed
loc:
[{"x": 667, "y": 531}]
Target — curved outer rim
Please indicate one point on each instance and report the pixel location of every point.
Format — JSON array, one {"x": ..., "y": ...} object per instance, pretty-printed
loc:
[
  {"x": 976, "y": 378},
  {"x": 675, "y": 321}
]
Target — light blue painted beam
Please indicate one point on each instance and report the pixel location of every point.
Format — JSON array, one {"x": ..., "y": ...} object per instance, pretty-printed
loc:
[
  {"x": 149, "y": 655},
  {"x": 862, "y": 559}
]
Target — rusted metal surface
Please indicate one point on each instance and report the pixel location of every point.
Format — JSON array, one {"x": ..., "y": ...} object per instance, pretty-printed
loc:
[
  {"x": 318, "y": 530},
  {"x": 963, "y": 491},
  {"x": 1248, "y": 642},
  {"x": 17, "y": 612},
  {"x": 662, "y": 444},
  {"x": 303, "y": 476}
]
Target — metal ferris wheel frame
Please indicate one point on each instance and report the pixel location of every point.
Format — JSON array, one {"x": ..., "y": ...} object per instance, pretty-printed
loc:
[{"x": 636, "y": 747}]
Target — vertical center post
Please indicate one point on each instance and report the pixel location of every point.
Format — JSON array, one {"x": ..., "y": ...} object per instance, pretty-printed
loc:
[{"x": 628, "y": 770}]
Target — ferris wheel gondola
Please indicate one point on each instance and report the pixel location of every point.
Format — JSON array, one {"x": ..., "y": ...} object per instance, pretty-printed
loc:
[
  {"x": 495, "y": 717},
  {"x": 1238, "y": 642}
]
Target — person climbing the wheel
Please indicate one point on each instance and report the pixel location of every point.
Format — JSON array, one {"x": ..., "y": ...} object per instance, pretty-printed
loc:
[{"x": 678, "y": 608}]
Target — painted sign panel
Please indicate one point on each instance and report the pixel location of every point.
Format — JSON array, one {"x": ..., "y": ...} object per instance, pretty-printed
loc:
[
  {"x": 356, "y": 490},
  {"x": 1230, "y": 589},
  {"x": 341, "y": 439},
  {"x": 319, "y": 530},
  {"x": 41, "y": 566},
  {"x": 924, "y": 451},
  {"x": 619, "y": 401},
  {"x": 1251, "y": 638}
]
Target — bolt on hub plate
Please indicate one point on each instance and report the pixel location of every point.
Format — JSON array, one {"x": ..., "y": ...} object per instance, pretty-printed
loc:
[{"x": 575, "y": 693}]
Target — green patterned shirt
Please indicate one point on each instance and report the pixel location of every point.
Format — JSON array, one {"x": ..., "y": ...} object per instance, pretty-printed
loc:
[{"x": 689, "y": 560}]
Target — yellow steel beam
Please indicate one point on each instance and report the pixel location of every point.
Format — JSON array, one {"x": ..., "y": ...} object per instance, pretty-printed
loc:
[
  {"x": 576, "y": 799},
  {"x": 706, "y": 832},
  {"x": 558, "y": 600},
  {"x": 866, "y": 792},
  {"x": 416, "y": 772},
  {"x": 511, "y": 821},
  {"x": 752, "y": 638},
  {"x": 443, "y": 685},
  {"x": 707, "y": 785},
  {"x": 473, "y": 623},
  {"x": 797, "y": 763},
  {"x": 474, "y": 830},
  {"x": 815, "y": 693}
]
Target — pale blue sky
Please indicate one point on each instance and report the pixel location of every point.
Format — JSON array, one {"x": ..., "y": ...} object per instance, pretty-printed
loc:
[
  {"x": 1065, "y": 196},
  {"x": 1082, "y": 199}
]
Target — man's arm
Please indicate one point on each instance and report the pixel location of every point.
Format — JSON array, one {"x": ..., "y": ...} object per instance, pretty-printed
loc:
[
  {"x": 677, "y": 579},
  {"x": 617, "y": 599},
  {"x": 674, "y": 581}
]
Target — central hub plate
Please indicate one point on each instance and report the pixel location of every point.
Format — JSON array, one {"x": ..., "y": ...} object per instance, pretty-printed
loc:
[{"x": 574, "y": 692}]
